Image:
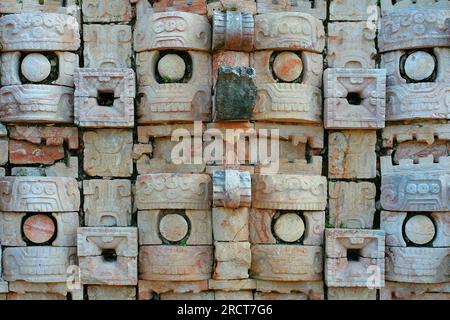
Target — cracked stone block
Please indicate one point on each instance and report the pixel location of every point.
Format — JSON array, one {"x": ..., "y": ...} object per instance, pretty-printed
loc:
[
  {"x": 233, "y": 30},
  {"x": 230, "y": 224},
  {"x": 232, "y": 285},
  {"x": 286, "y": 263},
  {"x": 39, "y": 194},
  {"x": 13, "y": 6},
  {"x": 51, "y": 136},
  {"x": 351, "y": 45},
  {"x": 148, "y": 288},
  {"x": 94, "y": 241},
  {"x": 354, "y": 98},
  {"x": 173, "y": 191},
  {"x": 107, "y": 153},
  {"x": 104, "y": 98},
  {"x": 120, "y": 272},
  {"x": 235, "y": 94},
  {"x": 348, "y": 293},
  {"x": 352, "y": 204},
  {"x": 411, "y": 186},
  {"x": 175, "y": 263},
  {"x": 107, "y": 46},
  {"x": 317, "y": 8},
  {"x": 244, "y": 6},
  {"x": 192, "y": 6},
  {"x": 284, "y": 30},
  {"x": 60, "y": 169},
  {"x": 417, "y": 264},
  {"x": 155, "y": 31},
  {"x": 21, "y": 152},
  {"x": 351, "y": 154},
  {"x": 23, "y": 287},
  {"x": 3, "y": 145},
  {"x": 352, "y": 10},
  {"x": 111, "y": 293},
  {"x": 231, "y": 59},
  {"x": 231, "y": 189},
  {"x": 107, "y": 203},
  {"x": 188, "y": 296},
  {"x": 175, "y": 226},
  {"x": 106, "y": 11},
  {"x": 415, "y": 291},
  {"x": 38, "y": 264},
  {"x": 289, "y": 192},
  {"x": 232, "y": 260}
]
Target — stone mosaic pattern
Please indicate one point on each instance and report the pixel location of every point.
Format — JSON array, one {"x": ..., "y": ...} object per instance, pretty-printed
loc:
[{"x": 93, "y": 207}]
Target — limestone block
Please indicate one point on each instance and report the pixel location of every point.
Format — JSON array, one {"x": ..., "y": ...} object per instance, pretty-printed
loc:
[
  {"x": 417, "y": 264},
  {"x": 107, "y": 46},
  {"x": 111, "y": 293},
  {"x": 343, "y": 272},
  {"x": 164, "y": 100},
  {"x": 231, "y": 189},
  {"x": 209, "y": 295},
  {"x": 148, "y": 288},
  {"x": 317, "y": 8},
  {"x": 354, "y": 98},
  {"x": 21, "y": 152},
  {"x": 351, "y": 154},
  {"x": 289, "y": 192},
  {"x": 351, "y": 44},
  {"x": 120, "y": 272},
  {"x": 39, "y": 194},
  {"x": 428, "y": 133},
  {"x": 107, "y": 11},
  {"x": 229, "y": 58},
  {"x": 244, "y": 6},
  {"x": 352, "y": 204},
  {"x": 233, "y": 30},
  {"x": 230, "y": 224},
  {"x": 414, "y": 187},
  {"x": 403, "y": 229},
  {"x": 60, "y": 169},
  {"x": 271, "y": 296},
  {"x": 352, "y": 10},
  {"x": 107, "y": 203},
  {"x": 36, "y": 104},
  {"x": 174, "y": 227},
  {"x": 369, "y": 243},
  {"x": 175, "y": 263},
  {"x": 3, "y": 145},
  {"x": 107, "y": 152},
  {"x": 34, "y": 296},
  {"x": 286, "y": 263},
  {"x": 50, "y": 136},
  {"x": 232, "y": 285},
  {"x": 38, "y": 264},
  {"x": 310, "y": 231},
  {"x": 388, "y": 5},
  {"x": 233, "y": 295},
  {"x": 61, "y": 289},
  {"x": 39, "y": 31},
  {"x": 93, "y": 241},
  {"x": 172, "y": 30},
  {"x": 289, "y": 30},
  {"x": 415, "y": 291},
  {"x": 92, "y": 85},
  {"x": 12, "y": 6},
  {"x": 173, "y": 191},
  {"x": 3, "y": 288},
  {"x": 411, "y": 28},
  {"x": 348, "y": 293},
  {"x": 232, "y": 260},
  {"x": 193, "y": 6}
]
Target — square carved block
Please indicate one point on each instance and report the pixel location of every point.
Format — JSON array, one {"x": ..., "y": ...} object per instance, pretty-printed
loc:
[
  {"x": 95, "y": 241},
  {"x": 309, "y": 290},
  {"x": 232, "y": 260},
  {"x": 148, "y": 288},
  {"x": 230, "y": 224},
  {"x": 354, "y": 98},
  {"x": 104, "y": 97},
  {"x": 352, "y": 10},
  {"x": 107, "y": 11},
  {"x": 415, "y": 291},
  {"x": 232, "y": 189},
  {"x": 317, "y": 8}
]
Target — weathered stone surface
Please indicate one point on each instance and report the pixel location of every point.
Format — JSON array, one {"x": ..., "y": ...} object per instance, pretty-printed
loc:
[
  {"x": 289, "y": 30},
  {"x": 107, "y": 46},
  {"x": 366, "y": 110},
  {"x": 351, "y": 154},
  {"x": 317, "y": 8},
  {"x": 12, "y": 6},
  {"x": 148, "y": 288},
  {"x": 91, "y": 84},
  {"x": 175, "y": 263},
  {"x": 411, "y": 28},
  {"x": 107, "y": 152},
  {"x": 193, "y": 6},
  {"x": 420, "y": 229},
  {"x": 271, "y": 296},
  {"x": 156, "y": 227},
  {"x": 352, "y": 10},
  {"x": 287, "y": 66},
  {"x": 3, "y": 145},
  {"x": 43, "y": 194},
  {"x": 172, "y": 67},
  {"x": 120, "y": 272},
  {"x": 54, "y": 288},
  {"x": 209, "y": 295},
  {"x": 233, "y": 295},
  {"x": 107, "y": 11},
  {"x": 230, "y": 224},
  {"x": 289, "y": 192},
  {"x": 364, "y": 272},
  {"x": 352, "y": 204},
  {"x": 39, "y": 31},
  {"x": 172, "y": 30},
  {"x": 107, "y": 203},
  {"x": 50, "y": 136},
  {"x": 289, "y": 227},
  {"x": 419, "y": 65},
  {"x": 34, "y": 296},
  {"x": 232, "y": 189},
  {"x": 233, "y": 30},
  {"x": 235, "y": 94},
  {"x": 428, "y": 133},
  {"x": 286, "y": 263},
  {"x": 229, "y": 59},
  {"x": 60, "y": 169},
  {"x": 93, "y": 241},
  {"x": 349, "y": 293},
  {"x": 35, "y": 67},
  {"x": 38, "y": 228},
  {"x": 369, "y": 243},
  {"x": 351, "y": 45},
  {"x": 111, "y": 293},
  {"x": 232, "y": 260},
  {"x": 414, "y": 187},
  {"x": 173, "y": 191},
  {"x": 36, "y": 104},
  {"x": 232, "y": 285},
  {"x": 415, "y": 291},
  {"x": 38, "y": 264},
  {"x": 417, "y": 265},
  {"x": 244, "y": 6},
  {"x": 21, "y": 152}
]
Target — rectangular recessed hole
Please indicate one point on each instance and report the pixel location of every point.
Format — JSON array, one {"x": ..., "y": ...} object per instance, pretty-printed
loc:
[
  {"x": 109, "y": 255},
  {"x": 353, "y": 254},
  {"x": 105, "y": 98},
  {"x": 354, "y": 98}
]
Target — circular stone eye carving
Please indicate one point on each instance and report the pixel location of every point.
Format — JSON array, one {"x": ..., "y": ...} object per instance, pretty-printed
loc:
[
  {"x": 420, "y": 229},
  {"x": 289, "y": 227},
  {"x": 172, "y": 67},
  {"x": 287, "y": 66},
  {"x": 411, "y": 188},
  {"x": 39, "y": 228},
  {"x": 36, "y": 67},
  {"x": 418, "y": 66},
  {"x": 173, "y": 227}
]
